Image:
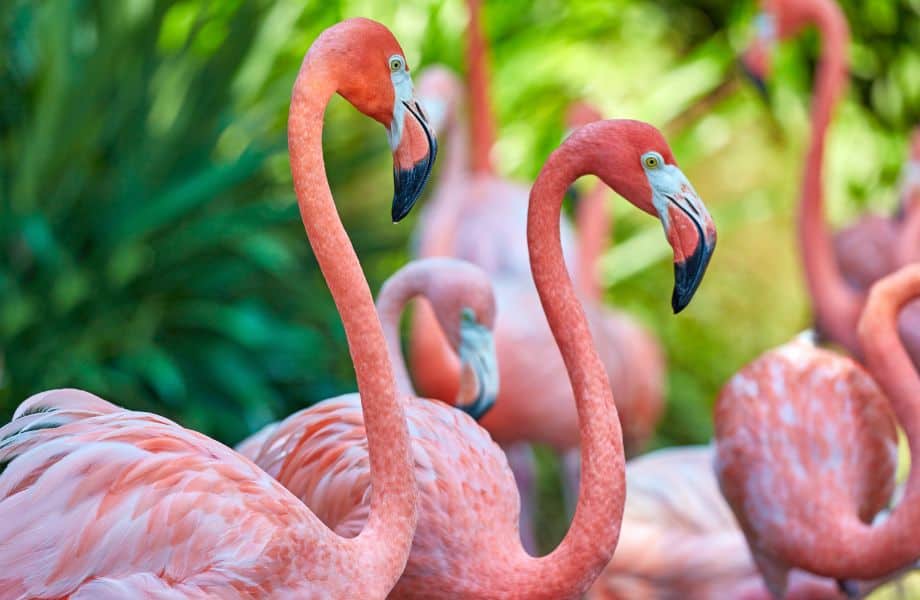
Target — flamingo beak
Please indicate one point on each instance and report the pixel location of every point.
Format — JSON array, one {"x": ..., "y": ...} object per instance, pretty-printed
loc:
[
  {"x": 692, "y": 234},
  {"x": 689, "y": 229},
  {"x": 756, "y": 62},
  {"x": 479, "y": 381},
  {"x": 414, "y": 152},
  {"x": 754, "y": 76}
]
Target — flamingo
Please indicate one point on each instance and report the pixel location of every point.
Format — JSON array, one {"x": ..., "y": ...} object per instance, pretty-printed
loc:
[
  {"x": 837, "y": 303},
  {"x": 680, "y": 539},
  {"x": 877, "y": 245},
  {"x": 477, "y": 216},
  {"x": 806, "y": 450},
  {"x": 467, "y": 543},
  {"x": 99, "y": 502},
  {"x": 461, "y": 296}
]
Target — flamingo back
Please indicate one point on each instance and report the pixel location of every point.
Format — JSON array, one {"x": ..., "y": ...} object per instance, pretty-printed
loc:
[
  {"x": 97, "y": 502},
  {"x": 468, "y": 503},
  {"x": 805, "y": 439}
]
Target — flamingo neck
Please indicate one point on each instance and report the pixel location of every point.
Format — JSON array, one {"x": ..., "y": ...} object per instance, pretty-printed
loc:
[
  {"x": 482, "y": 121},
  {"x": 387, "y": 536},
  {"x": 836, "y": 305},
  {"x": 391, "y": 301},
  {"x": 595, "y": 226},
  {"x": 592, "y": 537}
]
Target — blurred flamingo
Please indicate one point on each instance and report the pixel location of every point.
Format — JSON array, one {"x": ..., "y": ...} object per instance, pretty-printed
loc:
[
  {"x": 99, "y": 502},
  {"x": 680, "y": 539},
  {"x": 478, "y": 216},
  {"x": 866, "y": 253},
  {"x": 806, "y": 450},
  {"x": 467, "y": 543},
  {"x": 876, "y": 245}
]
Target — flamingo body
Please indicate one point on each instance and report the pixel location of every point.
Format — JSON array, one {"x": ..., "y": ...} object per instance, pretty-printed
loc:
[
  {"x": 468, "y": 505},
  {"x": 805, "y": 438},
  {"x": 101, "y": 502}
]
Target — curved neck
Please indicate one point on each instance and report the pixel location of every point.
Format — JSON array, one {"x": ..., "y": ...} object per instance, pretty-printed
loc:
[
  {"x": 482, "y": 122},
  {"x": 875, "y": 551},
  {"x": 391, "y": 301},
  {"x": 595, "y": 226},
  {"x": 388, "y": 534},
  {"x": 836, "y": 305},
  {"x": 592, "y": 537}
]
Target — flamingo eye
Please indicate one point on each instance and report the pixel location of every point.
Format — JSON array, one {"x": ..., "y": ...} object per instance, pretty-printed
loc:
[
  {"x": 397, "y": 63},
  {"x": 651, "y": 161}
]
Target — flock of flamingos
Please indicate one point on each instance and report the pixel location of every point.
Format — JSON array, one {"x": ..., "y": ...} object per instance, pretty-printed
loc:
[{"x": 387, "y": 493}]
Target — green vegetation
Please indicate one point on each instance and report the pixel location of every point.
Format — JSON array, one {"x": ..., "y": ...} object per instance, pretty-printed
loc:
[{"x": 150, "y": 246}]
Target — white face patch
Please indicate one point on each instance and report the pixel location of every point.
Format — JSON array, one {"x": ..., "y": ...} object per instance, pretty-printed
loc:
[
  {"x": 402, "y": 92},
  {"x": 670, "y": 186},
  {"x": 766, "y": 27}
]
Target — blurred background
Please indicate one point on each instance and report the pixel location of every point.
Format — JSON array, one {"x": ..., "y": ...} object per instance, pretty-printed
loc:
[{"x": 150, "y": 247}]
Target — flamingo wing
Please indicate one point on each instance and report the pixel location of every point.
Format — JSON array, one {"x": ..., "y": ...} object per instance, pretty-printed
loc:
[{"x": 91, "y": 504}]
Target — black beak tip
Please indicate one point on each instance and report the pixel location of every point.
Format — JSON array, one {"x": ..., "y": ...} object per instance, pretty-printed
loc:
[
  {"x": 478, "y": 409},
  {"x": 408, "y": 185},
  {"x": 688, "y": 275},
  {"x": 756, "y": 80}
]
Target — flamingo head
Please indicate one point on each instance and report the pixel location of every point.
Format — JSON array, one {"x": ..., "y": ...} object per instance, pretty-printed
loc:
[
  {"x": 756, "y": 62},
  {"x": 373, "y": 75},
  {"x": 634, "y": 159},
  {"x": 440, "y": 90},
  {"x": 464, "y": 305},
  {"x": 782, "y": 19}
]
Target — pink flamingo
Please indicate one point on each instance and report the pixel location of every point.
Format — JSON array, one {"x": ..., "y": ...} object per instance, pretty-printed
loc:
[
  {"x": 680, "y": 539},
  {"x": 99, "y": 502},
  {"x": 837, "y": 303},
  {"x": 468, "y": 504},
  {"x": 877, "y": 245},
  {"x": 806, "y": 450}
]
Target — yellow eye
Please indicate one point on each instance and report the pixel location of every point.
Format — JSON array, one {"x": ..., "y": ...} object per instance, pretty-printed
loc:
[
  {"x": 396, "y": 64},
  {"x": 652, "y": 162}
]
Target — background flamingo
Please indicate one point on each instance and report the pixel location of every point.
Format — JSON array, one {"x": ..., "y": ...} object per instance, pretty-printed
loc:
[
  {"x": 84, "y": 484},
  {"x": 836, "y": 302},
  {"x": 806, "y": 450},
  {"x": 467, "y": 544},
  {"x": 680, "y": 539},
  {"x": 877, "y": 245},
  {"x": 476, "y": 215}
]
